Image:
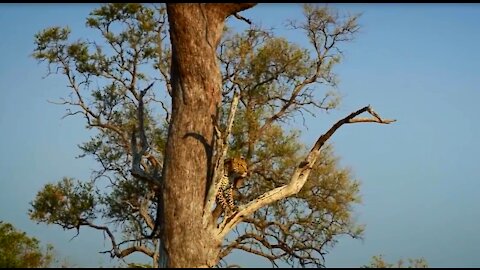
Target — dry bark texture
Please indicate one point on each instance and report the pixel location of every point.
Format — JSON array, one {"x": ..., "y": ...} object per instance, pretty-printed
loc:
[{"x": 195, "y": 31}]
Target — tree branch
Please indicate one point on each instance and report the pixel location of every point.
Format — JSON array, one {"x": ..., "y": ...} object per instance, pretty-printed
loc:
[
  {"x": 322, "y": 68},
  {"x": 240, "y": 17},
  {"x": 130, "y": 250},
  {"x": 143, "y": 211},
  {"x": 221, "y": 150},
  {"x": 137, "y": 155},
  {"x": 232, "y": 8},
  {"x": 116, "y": 251},
  {"x": 300, "y": 174}
]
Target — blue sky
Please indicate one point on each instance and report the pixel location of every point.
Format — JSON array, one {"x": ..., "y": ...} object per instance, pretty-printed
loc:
[{"x": 417, "y": 63}]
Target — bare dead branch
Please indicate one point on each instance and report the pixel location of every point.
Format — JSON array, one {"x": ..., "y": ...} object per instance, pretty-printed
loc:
[
  {"x": 137, "y": 170},
  {"x": 240, "y": 17},
  {"x": 232, "y": 8},
  {"x": 370, "y": 120},
  {"x": 299, "y": 176},
  {"x": 137, "y": 155},
  {"x": 221, "y": 150},
  {"x": 141, "y": 120}
]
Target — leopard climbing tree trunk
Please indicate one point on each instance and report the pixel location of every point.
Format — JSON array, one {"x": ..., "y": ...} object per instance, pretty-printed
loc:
[{"x": 195, "y": 31}]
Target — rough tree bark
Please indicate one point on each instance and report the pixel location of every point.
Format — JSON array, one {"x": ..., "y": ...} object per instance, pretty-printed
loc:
[{"x": 195, "y": 31}]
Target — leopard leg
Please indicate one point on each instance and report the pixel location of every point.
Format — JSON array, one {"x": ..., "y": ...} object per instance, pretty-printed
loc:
[
  {"x": 231, "y": 202},
  {"x": 223, "y": 201}
]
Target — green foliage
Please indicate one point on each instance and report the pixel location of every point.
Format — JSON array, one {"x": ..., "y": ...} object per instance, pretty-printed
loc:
[
  {"x": 18, "y": 250},
  {"x": 379, "y": 262},
  {"x": 66, "y": 203}
]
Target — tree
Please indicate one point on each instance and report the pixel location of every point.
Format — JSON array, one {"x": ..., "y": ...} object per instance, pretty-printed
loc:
[
  {"x": 229, "y": 94},
  {"x": 18, "y": 250},
  {"x": 379, "y": 262}
]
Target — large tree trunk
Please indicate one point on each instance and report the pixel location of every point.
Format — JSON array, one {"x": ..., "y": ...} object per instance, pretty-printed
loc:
[{"x": 195, "y": 31}]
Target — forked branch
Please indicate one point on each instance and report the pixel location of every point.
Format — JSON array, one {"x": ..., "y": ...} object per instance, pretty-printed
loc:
[
  {"x": 300, "y": 174},
  {"x": 115, "y": 251},
  {"x": 221, "y": 148},
  {"x": 138, "y": 154}
]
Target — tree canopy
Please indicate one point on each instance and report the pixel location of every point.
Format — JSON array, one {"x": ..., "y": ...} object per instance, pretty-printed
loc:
[
  {"x": 379, "y": 262},
  {"x": 122, "y": 84},
  {"x": 18, "y": 250}
]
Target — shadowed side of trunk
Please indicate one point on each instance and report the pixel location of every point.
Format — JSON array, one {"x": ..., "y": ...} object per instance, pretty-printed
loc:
[{"x": 195, "y": 30}]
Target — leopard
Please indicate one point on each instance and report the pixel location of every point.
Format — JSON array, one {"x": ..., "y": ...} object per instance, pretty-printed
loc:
[{"x": 235, "y": 172}]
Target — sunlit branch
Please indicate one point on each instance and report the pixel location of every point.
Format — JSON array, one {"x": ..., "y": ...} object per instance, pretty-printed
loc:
[{"x": 300, "y": 174}]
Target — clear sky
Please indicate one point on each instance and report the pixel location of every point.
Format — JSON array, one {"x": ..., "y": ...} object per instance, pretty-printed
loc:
[{"x": 417, "y": 63}]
